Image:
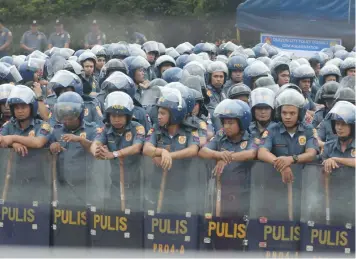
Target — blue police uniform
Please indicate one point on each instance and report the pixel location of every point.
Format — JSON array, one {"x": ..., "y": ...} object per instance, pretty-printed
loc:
[
  {"x": 235, "y": 178},
  {"x": 150, "y": 73},
  {"x": 332, "y": 148},
  {"x": 177, "y": 197},
  {"x": 36, "y": 128},
  {"x": 74, "y": 161},
  {"x": 94, "y": 39},
  {"x": 59, "y": 39},
  {"x": 216, "y": 96},
  {"x": 5, "y": 33},
  {"x": 255, "y": 132},
  {"x": 318, "y": 117},
  {"x": 37, "y": 40},
  {"x": 325, "y": 132},
  {"x": 134, "y": 134},
  {"x": 309, "y": 105},
  {"x": 279, "y": 142}
]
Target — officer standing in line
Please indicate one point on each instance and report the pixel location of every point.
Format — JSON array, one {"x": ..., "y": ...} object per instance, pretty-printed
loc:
[
  {"x": 5, "y": 113},
  {"x": 169, "y": 141},
  {"x": 152, "y": 51},
  {"x": 71, "y": 140},
  {"x": 33, "y": 39},
  {"x": 231, "y": 147},
  {"x": 95, "y": 37},
  {"x": 290, "y": 141},
  {"x": 24, "y": 131},
  {"x": 280, "y": 72},
  {"x": 88, "y": 61},
  {"x": 239, "y": 92},
  {"x": 60, "y": 38},
  {"x": 121, "y": 138},
  {"x": 5, "y": 39},
  {"x": 342, "y": 149}
]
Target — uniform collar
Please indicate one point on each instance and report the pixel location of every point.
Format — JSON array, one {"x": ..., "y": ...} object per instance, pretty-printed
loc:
[
  {"x": 283, "y": 129},
  {"x": 218, "y": 90},
  {"x": 17, "y": 124},
  {"x": 351, "y": 145},
  {"x": 112, "y": 131}
]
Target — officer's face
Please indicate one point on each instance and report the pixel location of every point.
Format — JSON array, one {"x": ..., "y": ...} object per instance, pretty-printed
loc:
[
  {"x": 151, "y": 56},
  {"x": 196, "y": 109},
  {"x": 217, "y": 79},
  {"x": 351, "y": 72},
  {"x": 59, "y": 27},
  {"x": 118, "y": 121},
  {"x": 88, "y": 67},
  {"x": 22, "y": 111},
  {"x": 163, "y": 117},
  {"x": 164, "y": 68},
  {"x": 342, "y": 129},
  {"x": 231, "y": 127},
  {"x": 33, "y": 28},
  {"x": 236, "y": 76},
  {"x": 304, "y": 84},
  {"x": 100, "y": 63},
  {"x": 5, "y": 110},
  {"x": 263, "y": 114},
  {"x": 139, "y": 75},
  {"x": 283, "y": 78},
  {"x": 329, "y": 103},
  {"x": 289, "y": 116},
  {"x": 71, "y": 122},
  {"x": 330, "y": 78}
]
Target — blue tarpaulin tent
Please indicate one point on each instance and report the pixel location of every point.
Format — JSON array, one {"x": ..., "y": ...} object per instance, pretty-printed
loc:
[{"x": 318, "y": 18}]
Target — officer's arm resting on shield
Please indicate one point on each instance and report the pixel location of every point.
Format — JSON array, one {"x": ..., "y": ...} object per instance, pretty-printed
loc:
[
  {"x": 39, "y": 141},
  {"x": 330, "y": 163},
  {"x": 99, "y": 149},
  {"x": 8, "y": 41}
]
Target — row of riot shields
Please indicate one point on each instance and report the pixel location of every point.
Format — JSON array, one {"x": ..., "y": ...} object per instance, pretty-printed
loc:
[{"x": 65, "y": 201}]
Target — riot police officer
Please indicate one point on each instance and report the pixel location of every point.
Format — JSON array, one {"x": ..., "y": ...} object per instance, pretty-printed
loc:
[
  {"x": 324, "y": 96},
  {"x": 348, "y": 67},
  {"x": 239, "y": 92},
  {"x": 168, "y": 141},
  {"x": 101, "y": 59},
  {"x": 290, "y": 140},
  {"x": 33, "y": 39},
  {"x": 152, "y": 51},
  {"x": 121, "y": 138},
  {"x": 5, "y": 113},
  {"x": 95, "y": 37},
  {"x": 163, "y": 63},
  {"x": 217, "y": 76},
  {"x": 110, "y": 67},
  {"x": 173, "y": 74},
  {"x": 280, "y": 72},
  {"x": 254, "y": 71},
  {"x": 231, "y": 148},
  {"x": 5, "y": 39},
  {"x": 24, "y": 131},
  {"x": 262, "y": 108},
  {"x": 236, "y": 66},
  {"x": 267, "y": 82},
  {"x": 60, "y": 38},
  {"x": 328, "y": 73},
  {"x": 137, "y": 68},
  {"x": 341, "y": 150},
  {"x": 88, "y": 61}
]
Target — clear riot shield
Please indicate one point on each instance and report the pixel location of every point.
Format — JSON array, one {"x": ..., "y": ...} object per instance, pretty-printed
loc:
[
  {"x": 223, "y": 227},
  {"x": 328, "y": 211},
  {"x": 25, "y": 183},
  {"x": 174, "y": 199},
  {"x": 118, "y": 222},
  {"x": 273, "y": 227},
  {"x": 75, "y": 187}
]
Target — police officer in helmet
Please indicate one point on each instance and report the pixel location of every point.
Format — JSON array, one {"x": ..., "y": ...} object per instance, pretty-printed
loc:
[
  {"x": 236, "y": 66},
  {"x": 5, "y": 39}
]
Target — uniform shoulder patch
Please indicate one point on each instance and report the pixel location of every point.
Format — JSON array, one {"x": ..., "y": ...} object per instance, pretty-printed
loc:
[
  {"x": 46, "y": 127},
  {"x": 99, "y": 130},
  {"x": 209, "y": 93},
  {"x": 203, "y": 125},
  {"x": 315, "y": 133},
  {"x": 195, "y": 133},
  {"x": 150, "y": 132},
  {"x": 353, "y": 152},
  {"x": 265, "y": 134},
  {"x": 243, "y": 145},
  {"x": 140, "y": 130},
  {"x": 221, "y": 133},
  {"x": 98, "y": 110}
]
